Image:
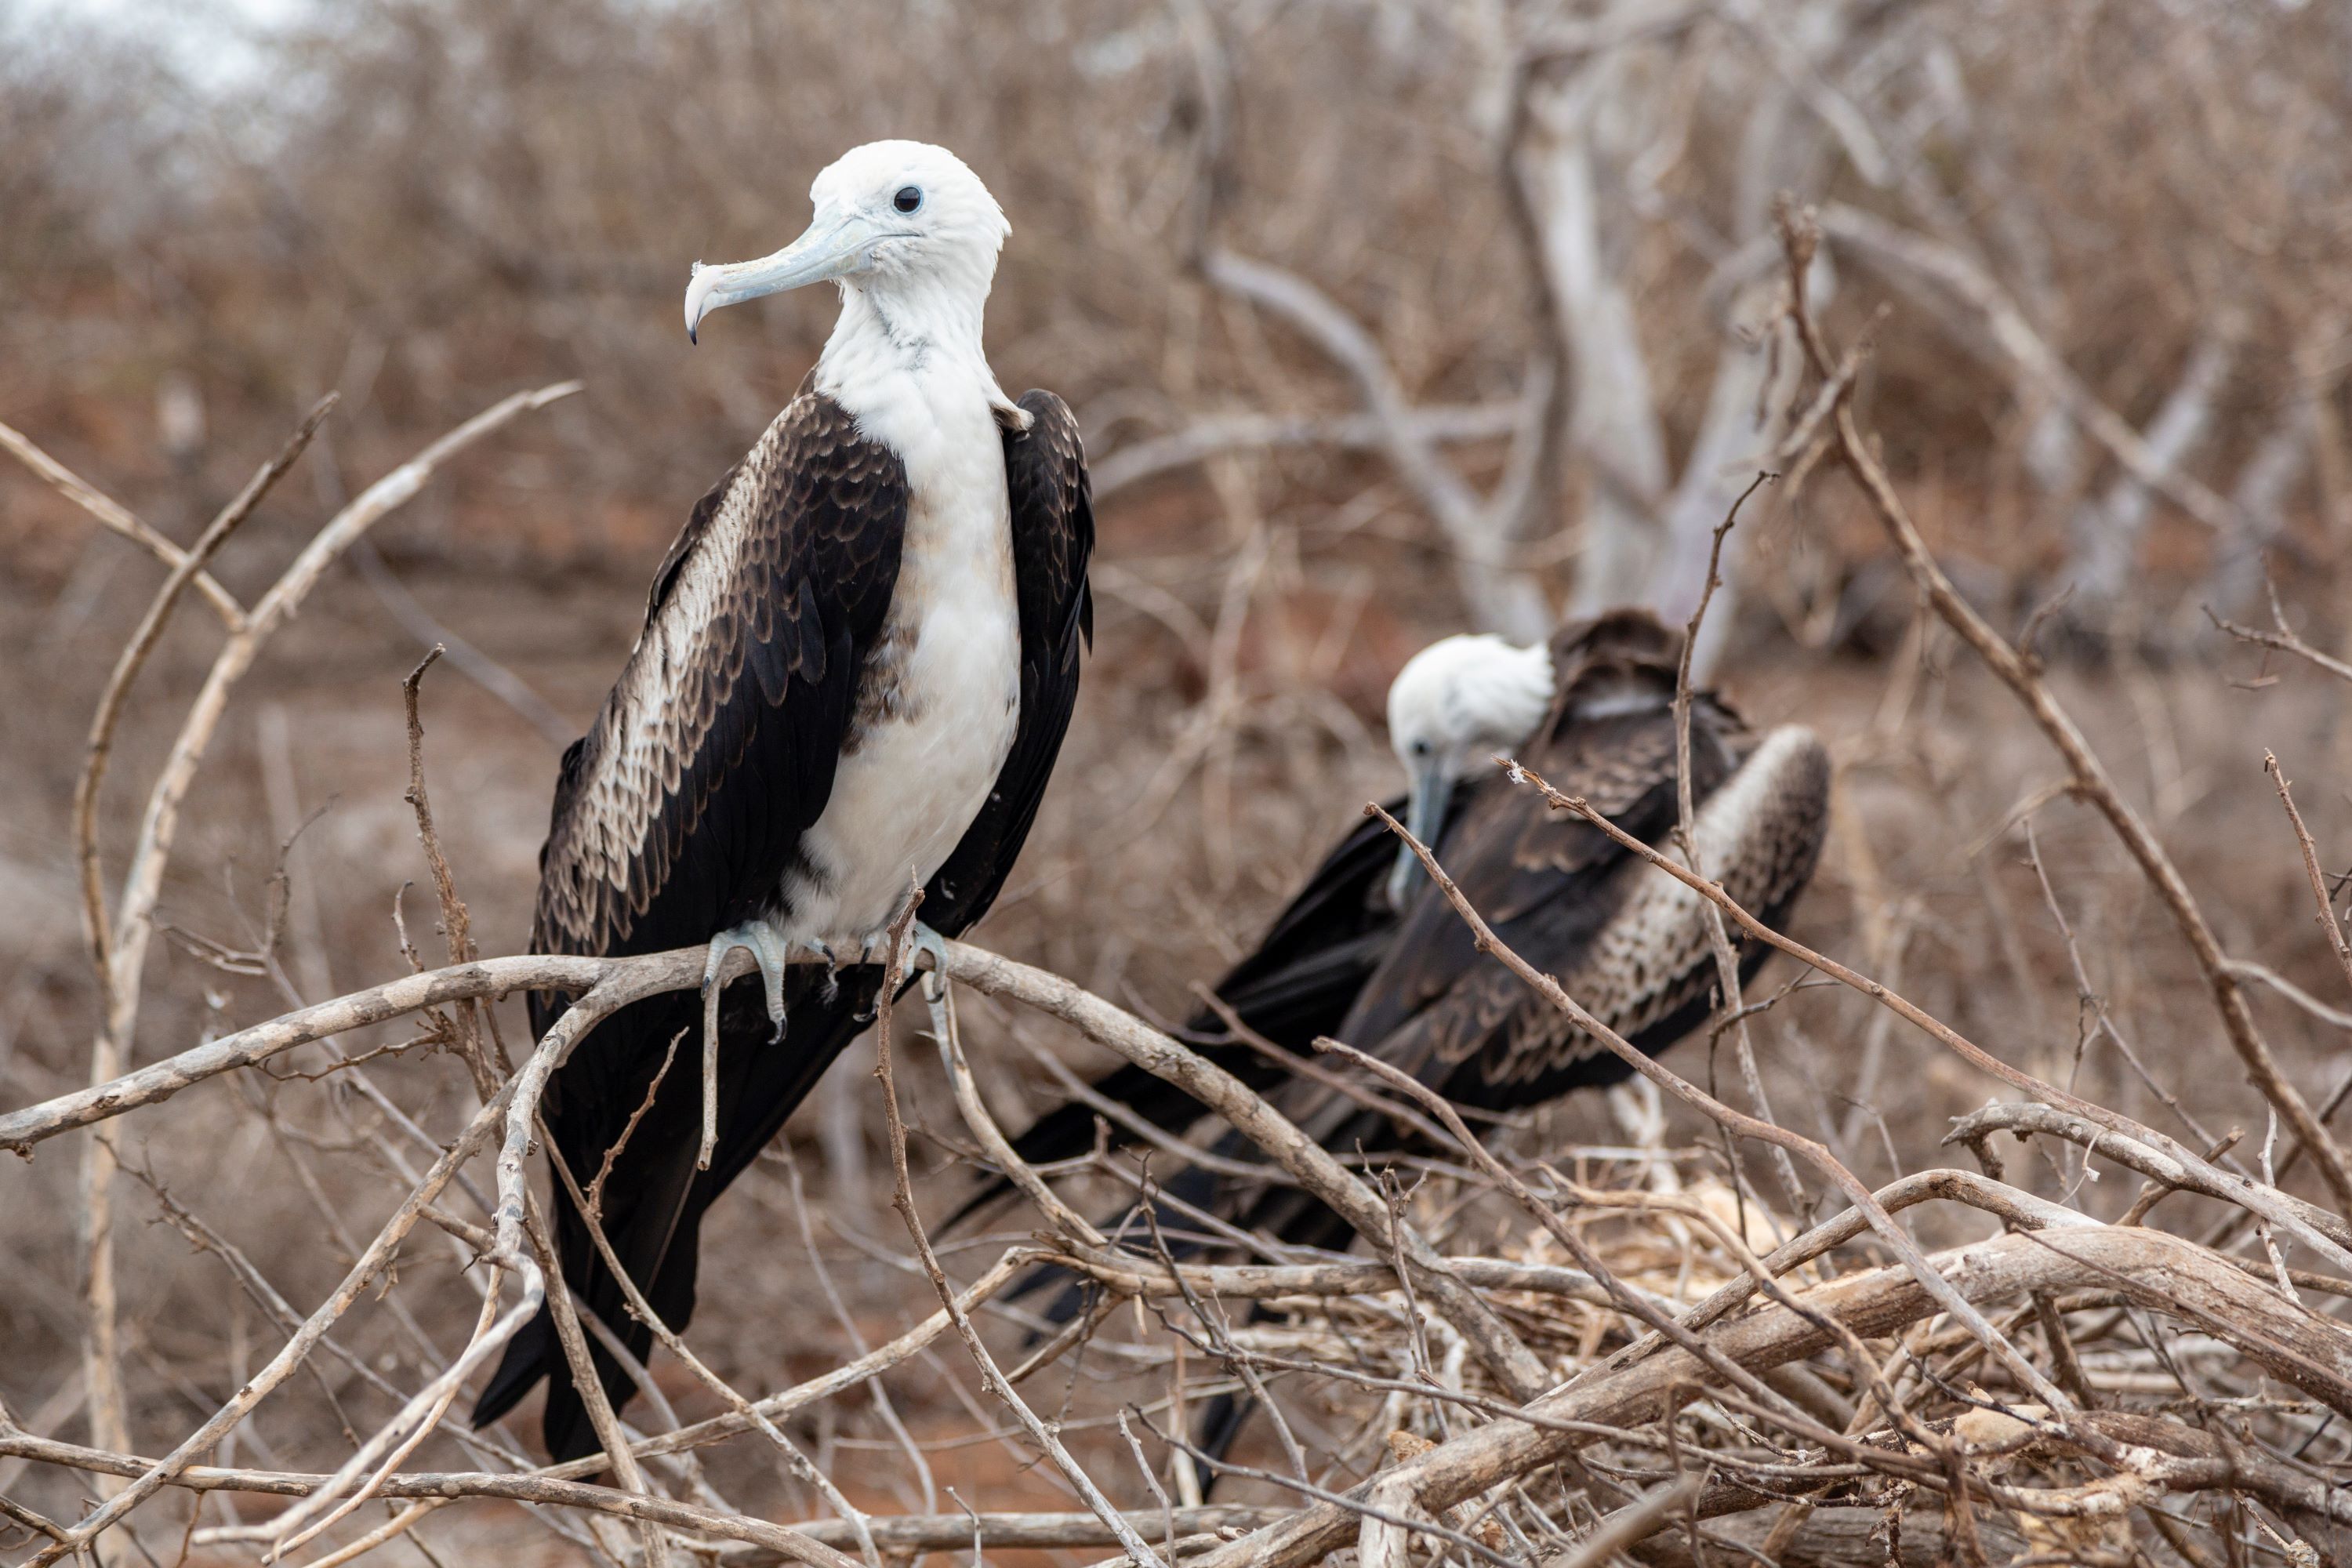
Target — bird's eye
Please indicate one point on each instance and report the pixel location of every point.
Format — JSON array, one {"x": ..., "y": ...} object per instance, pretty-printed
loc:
[{"x": 907, "y": 199}]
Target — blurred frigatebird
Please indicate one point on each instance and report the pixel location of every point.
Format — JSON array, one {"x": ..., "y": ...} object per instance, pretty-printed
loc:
[{"x": 1372, "y": 954}]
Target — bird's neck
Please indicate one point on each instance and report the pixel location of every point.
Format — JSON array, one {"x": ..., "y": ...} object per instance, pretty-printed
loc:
[{"x": 911, "y": 334}]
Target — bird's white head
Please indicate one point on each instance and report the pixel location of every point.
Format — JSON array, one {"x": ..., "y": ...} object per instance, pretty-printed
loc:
[
  {"x": 904, "y": 227},
  {"x": 1455, "y": 704}
]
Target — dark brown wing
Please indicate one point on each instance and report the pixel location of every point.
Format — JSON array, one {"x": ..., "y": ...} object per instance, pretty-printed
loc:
[
  {"x": 1543, "y": 879},
  {"x": 680, "y": 808},
  {"x": 675, "y": 817},
  {"x": 1647, "y": 972}
]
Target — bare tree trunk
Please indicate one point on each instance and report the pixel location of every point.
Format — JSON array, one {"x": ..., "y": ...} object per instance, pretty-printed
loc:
[
  {"x": 1744, "y": 413},
  {"x": 1648, "y": 532},
  {"x": 1613, "y": 424},
  {"x": 2269, "y": 476},
  {"x": 2106, "y": 533}
]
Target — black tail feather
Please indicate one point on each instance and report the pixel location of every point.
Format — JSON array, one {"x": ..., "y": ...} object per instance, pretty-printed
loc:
[
  {"x": 653, "y": 1199},
  {"x": 1298, "y": 984},
  {"x": 525, "y": 1363},
  {"x": 1219, "y": 1429}
]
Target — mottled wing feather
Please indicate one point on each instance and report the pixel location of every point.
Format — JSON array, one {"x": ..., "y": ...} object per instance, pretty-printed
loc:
[
  {"x": 1623, "y": 766},
  {"x": 675, "y": 816},
  {"x": 739, "y": 691},
  {"x": 1564, "y": 891},
  {"x": 698, "y": 522},
  {"x": 1647, "y": 972},
  {"x": 1651, "y": 969}
]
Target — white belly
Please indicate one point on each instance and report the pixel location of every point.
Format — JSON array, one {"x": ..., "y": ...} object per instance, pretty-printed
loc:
[{"x": 920, "y": 765}]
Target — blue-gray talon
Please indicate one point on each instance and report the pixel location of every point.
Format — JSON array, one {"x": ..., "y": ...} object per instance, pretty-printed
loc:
[
  {"x": 766, "y": 945},
  {"x": 769, "y": 949},
  {"x": 922, "y": 938}
]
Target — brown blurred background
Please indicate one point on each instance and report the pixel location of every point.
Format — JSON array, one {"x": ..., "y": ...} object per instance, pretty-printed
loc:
[{"x": 2113, "y": 246}]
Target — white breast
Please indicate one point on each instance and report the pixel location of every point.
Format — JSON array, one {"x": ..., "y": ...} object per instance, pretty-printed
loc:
[{"x": 941, "y": 702}]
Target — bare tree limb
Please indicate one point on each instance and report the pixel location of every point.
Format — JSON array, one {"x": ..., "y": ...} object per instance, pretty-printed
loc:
[
  {"x": 118, "y": 520},
  {"x": 133, "y": 658},
  {"x": 2014, "y": 338},
  {"x": 2089, "y": 774},
  {"x": 2285, "y": 638},
  {"x": 1506, "y": 601},
  {"x": 1133, "y": 462}
]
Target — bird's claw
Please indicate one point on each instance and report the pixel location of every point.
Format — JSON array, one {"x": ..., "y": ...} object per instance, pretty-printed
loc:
[
  {"x": 923, "y": 939},
  {"x": 765, "y": 943}
]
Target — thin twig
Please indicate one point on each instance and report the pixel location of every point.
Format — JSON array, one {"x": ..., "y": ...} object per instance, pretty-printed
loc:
[
  {"x": 2091, "y": 783},
  {"x": 117, "y": 519},
  {"x": 2328, "y": 925},
  {"x": 1139, "y": 1551}
]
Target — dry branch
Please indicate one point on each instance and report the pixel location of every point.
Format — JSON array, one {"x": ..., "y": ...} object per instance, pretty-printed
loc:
[
  {"x": 1133, "y": 462},
  {"x": 2089, "y": 776},
  {"x": 607, "y": 984},
  {"x": 1974, "y": 1129},
  {"x": 1910, "y": 255},
  {"x": 141, "y": 642},
  {"x": 1480, "y": 532},
  {"x": 2286, "y": 640},
  {"x": 118, "y": 520},
  {"x": 768, "y": 1543}
]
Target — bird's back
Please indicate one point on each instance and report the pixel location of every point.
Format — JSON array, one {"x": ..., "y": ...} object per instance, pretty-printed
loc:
[{"x": 1627, "y": 940}]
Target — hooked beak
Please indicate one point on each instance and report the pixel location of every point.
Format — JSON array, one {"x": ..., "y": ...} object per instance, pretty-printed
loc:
[
  {"x": 1425, "y": 817},
  {"x": 837, "y": 248}
]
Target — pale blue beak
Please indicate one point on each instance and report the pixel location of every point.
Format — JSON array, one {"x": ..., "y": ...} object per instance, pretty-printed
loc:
[
  {"x": 1424, "y": 818},
  {"x": 836, "y": 248}
]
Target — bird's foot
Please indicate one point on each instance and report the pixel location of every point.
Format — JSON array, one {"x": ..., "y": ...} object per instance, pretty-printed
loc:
[
  {"x": 767, "y": 945},
  {"x": 875, "y": 948},
  {"x": 923, "y": 939},
  {"x": 764, "y": 943}
]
